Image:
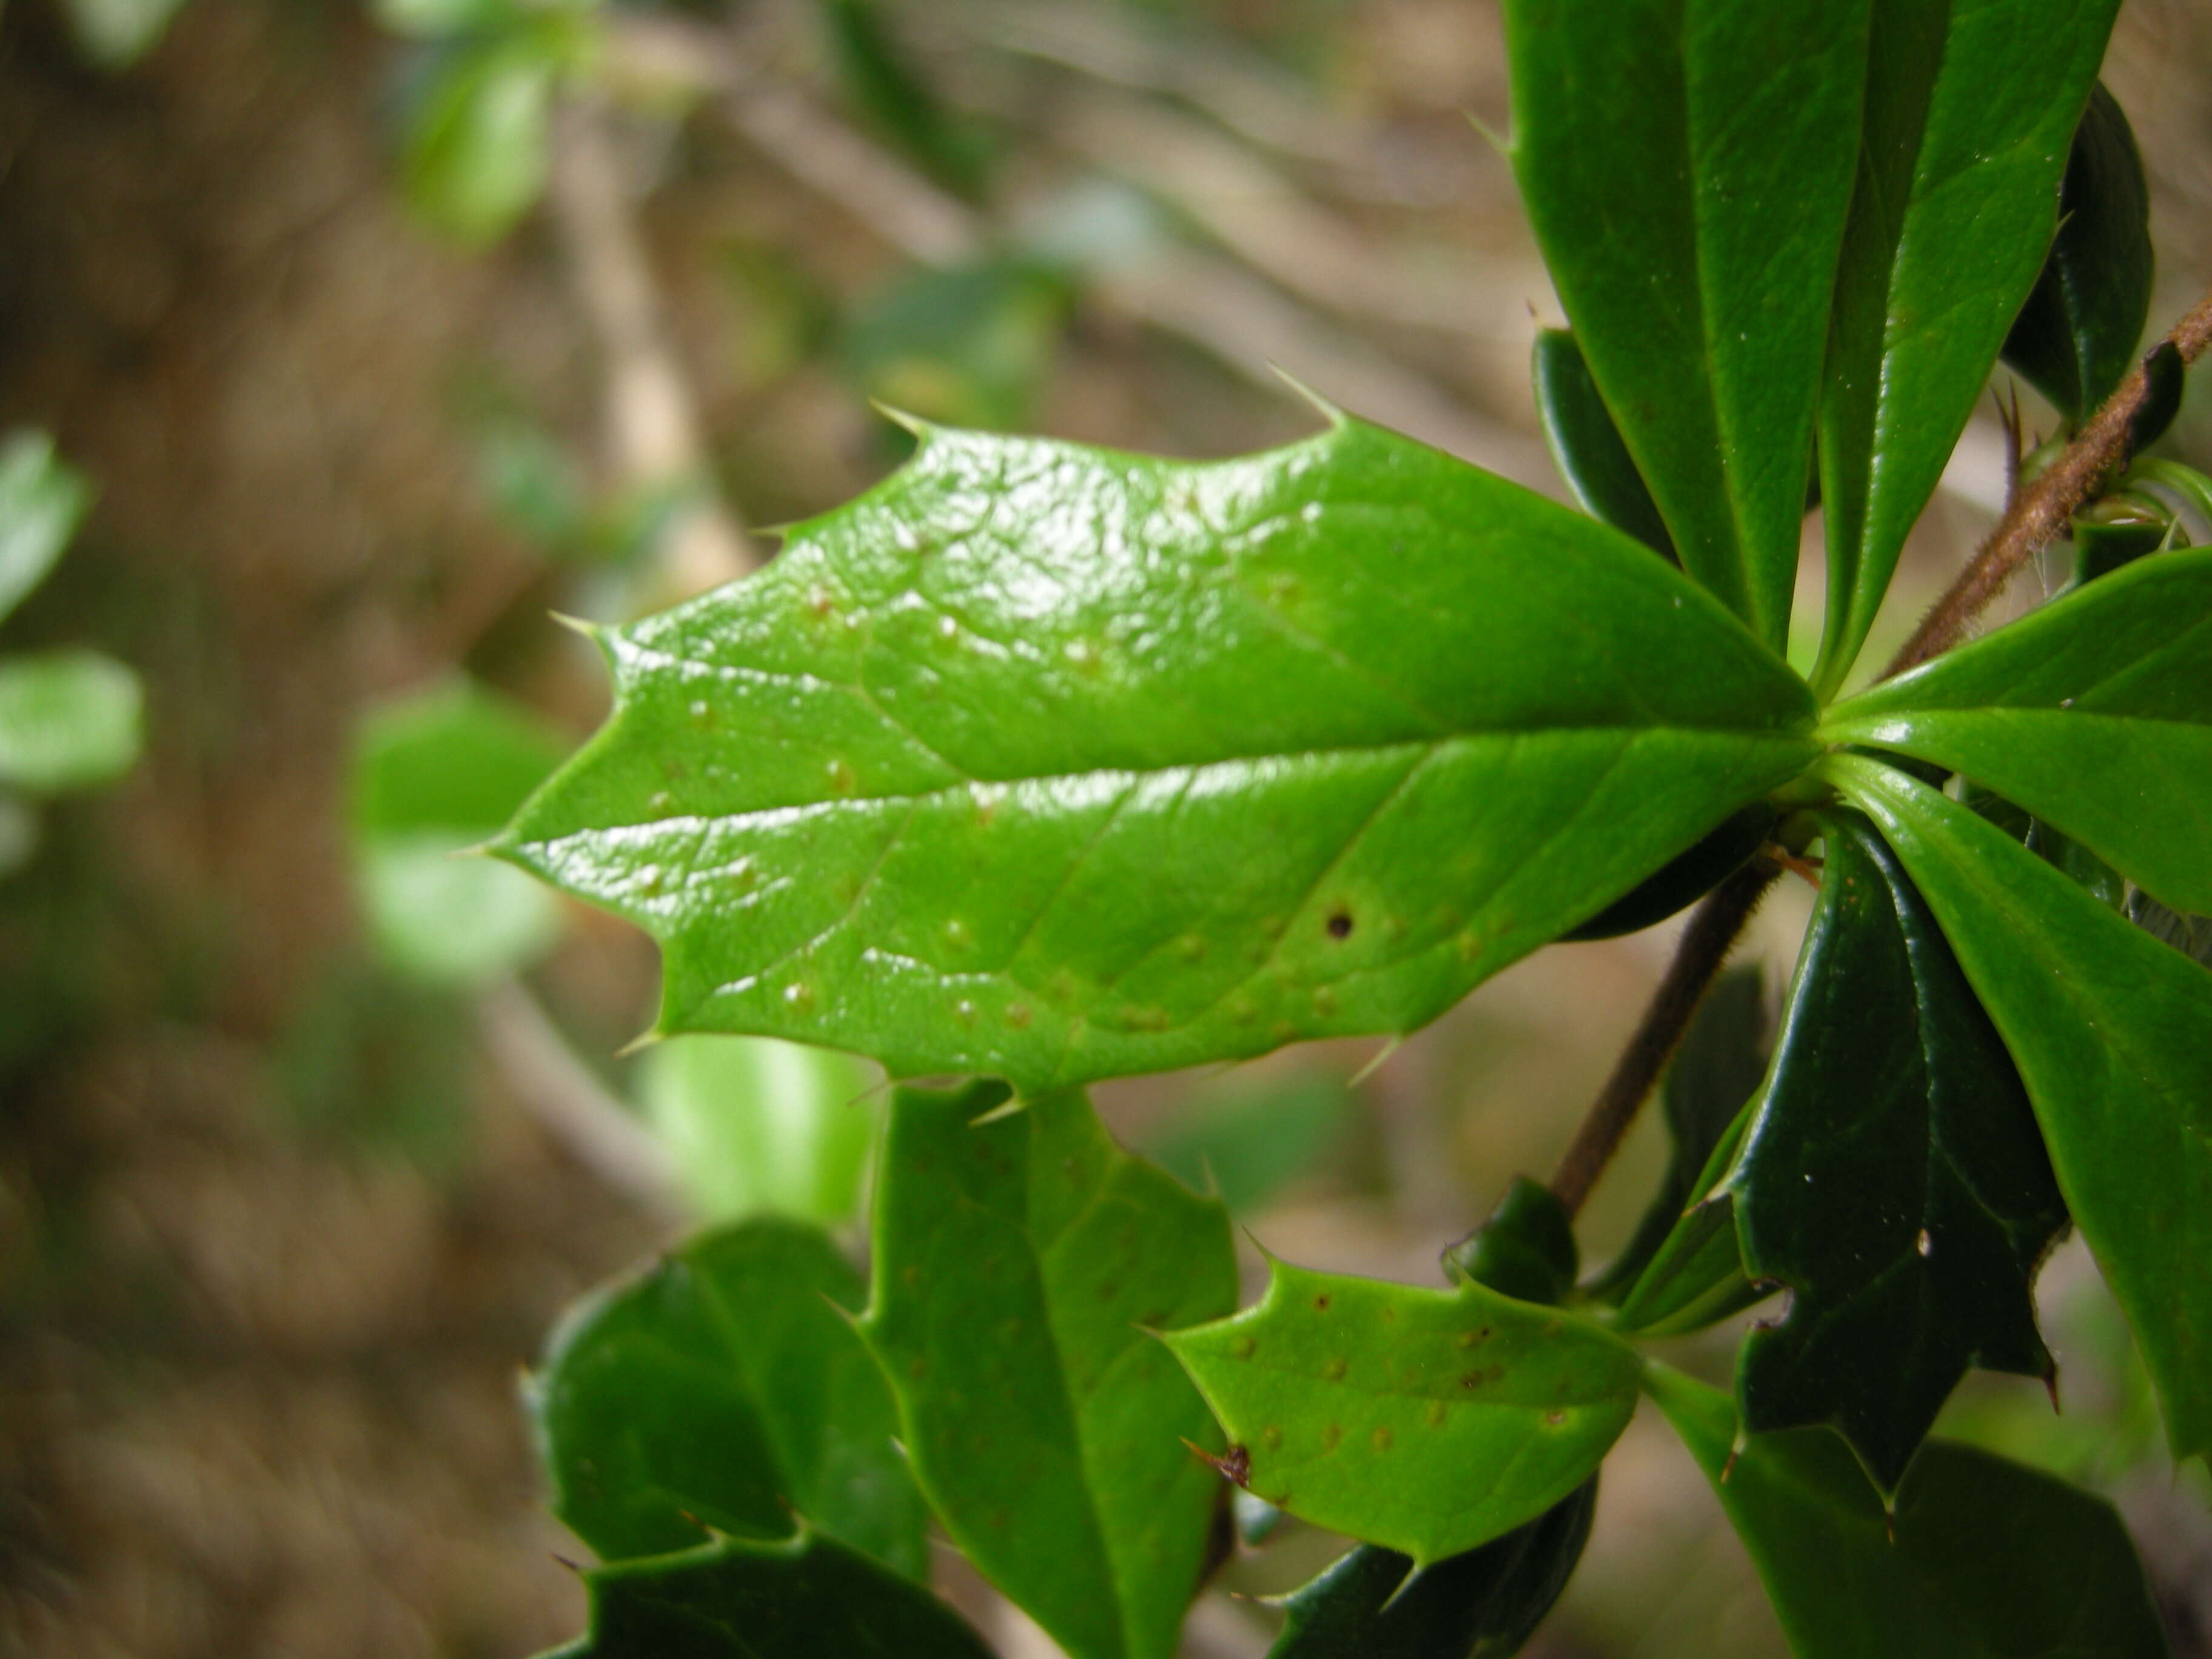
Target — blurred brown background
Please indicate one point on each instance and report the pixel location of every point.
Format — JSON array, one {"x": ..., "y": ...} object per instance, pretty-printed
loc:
[{"x": 278, "y": 1230}]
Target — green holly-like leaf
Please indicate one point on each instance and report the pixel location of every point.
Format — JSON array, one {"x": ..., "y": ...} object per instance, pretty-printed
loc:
[
  {"x": 69, "y": 719},
  {"x": 42, "y": 501},
  {"x": 2076, "y": 336},
  {"x": 2095, "y": 712},
  {"x": 1048, "y": 763},
  {"x": 1970, "y": 109},
  {"x": 2112, "y": 1033},
  {"x": 1982, "y": 1558},
  {"x": 1688, "y": 167},
  {"x": 1587, "y": 446},
  {"x": 1526, "y": 1249},
  {"x": 1719, "y": 1065},
  {"x": 1021, "y": 1266},
  {"x": 1375, "y": 1603},
  {"x": 723, "y": 1390},
  {"x": 806, "y": 1597},
  {"x": 1894, "y": 1177},
  {"x": 1425, "y": 1421}
]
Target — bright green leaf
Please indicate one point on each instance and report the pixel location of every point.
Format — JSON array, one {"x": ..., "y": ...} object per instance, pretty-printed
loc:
[
  {"x": 1051, "y": 764},
  {"x": 1894, "y": 1177},
  {"x": 1983, "y": 1559},
  {"x": 2076, "y": 336},
  {"x": 1248, "y": 1142},
  {"x": 117, "y": 34},
  {"x": 1587, "y": 446},
  {"x": 2112, "y": 1033},
  {"x": 1425, "y": 1421},
  {"x": 42, "y": 501},
  {"x": 805, "y": 1598},
  {"x": 430, "y": 18},
  {"x": 443, "y": 914},
  {"x": 1971, "y": 108},
  {"x": 2095, "y": 712},
  {"x": 723, "y": 1391},
  {"x": 478, "y": 146},
  {"x": 756, "y": 1125},
  {"x": 1688, "y": 167},
  {"x": 69, "y": 719},
  {"x": 1375, "y": 1604},
  {"x": 1021, "y": 1266}
]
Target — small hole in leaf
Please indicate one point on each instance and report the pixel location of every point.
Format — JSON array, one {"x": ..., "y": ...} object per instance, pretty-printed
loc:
[{"x": 1339, "y": 924}]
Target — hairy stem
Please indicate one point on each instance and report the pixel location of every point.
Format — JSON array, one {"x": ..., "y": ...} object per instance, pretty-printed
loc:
[
  {"x": 1715, "y": 926},
  {"x": 2035, "y": 516}
]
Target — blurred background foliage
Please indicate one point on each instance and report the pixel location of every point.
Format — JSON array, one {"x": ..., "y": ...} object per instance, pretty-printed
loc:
[{"x": 340, "y": 343}]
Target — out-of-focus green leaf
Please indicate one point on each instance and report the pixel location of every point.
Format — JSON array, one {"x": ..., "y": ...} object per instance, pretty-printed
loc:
[
  {"x": 42, "y": 501},
  {"x": 1587, "y": 446},
  {"x": 1714, "y": 1072},
  {"x": 1526, "y": 1249},
  {"x": 1982, "y": 1558},
  {"x": 1894, "y": 1177},
  {"x": 372, "y": 1062},
  {"x": 432, "y": 19},
  {"x": 1375, "y": 1603},
  {"x": 479, "y": 144},
  {"x": 2076, "y": 336},
  {"x": 1022, "y": 1265},
  {"x": 2112, "y": 1034},
  {"x": 756, "y": 1125},
  {"x": 1685, "y": 879},
  {"x": 897, "y": 102},
  {"x": 2095, "y": 712},
  {"x": 19, "y": 834},
  {"x": 1248, "y": 1145},
  {"x": 969, "y": 346},
  {"x": 69, "y": 719},
  {"x": 117, "y": 34},
  {"x": 806, "y": 1597},
  {"x": 1688, "y": 167},
  {"x": 434, "y": 775},
  {"x": 1427, "y": 1421},
  {"x": 1051, "y": 764},
  {"x": 1970, "y": 112},
  {"x": 723, "y": 1392}
]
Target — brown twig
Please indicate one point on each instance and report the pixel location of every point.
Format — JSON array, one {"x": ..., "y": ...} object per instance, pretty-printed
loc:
[
  {"x": 1715, "y": 926},
  {"x": 2035, "y": 516}
]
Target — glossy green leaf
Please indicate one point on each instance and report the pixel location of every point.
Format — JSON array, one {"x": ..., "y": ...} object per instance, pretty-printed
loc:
[
  {"x": 435, "y": 775},
  {"x": 1050, "y": 763},
  {"x": 479, "y": 146},
  {"x": 724, "y": 1391},
  {"x": 42, "y": 501},
  {"x": 2089, "y": 871},
  {"x": 2112, "y": 1033},
  {"x": 1696, "y": 1278},
  {"x": 1425, "y": 1421},
  {"x": 117, "y": 34},
  {"x": 1526, "y": 1249},
  {"x": 1021, "y": 1267},
  {"x": 1971, "y": 108},
  {"x": 1587, "y": 446},
  {"x": 2076, "y": 337},
  {"x": 1688, "y": 167},
  {"x": 1685, "y": 878},
  {"x": 1250, "y": 1142},
  {"x": 69, "y": 719},
  {"x": 757, "y": 1126},
  {"x": 2095, "y": 712},
  {"x": 1894, "y": 1177},
  {"x": 1713, "y": 1074},
  {"x": 1983, "y": 1559},
  {"x": 1375, "y": 1603},
  {"x": 807, "y": 1597}
]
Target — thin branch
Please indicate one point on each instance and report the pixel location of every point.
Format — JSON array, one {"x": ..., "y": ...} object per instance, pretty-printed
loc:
[
  {"x": 2036, "y": 515},
  {"x": 1715, "y": 926}
]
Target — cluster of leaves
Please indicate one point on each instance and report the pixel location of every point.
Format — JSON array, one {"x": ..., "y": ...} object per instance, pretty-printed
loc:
[{"x": 1042, "y": 765}]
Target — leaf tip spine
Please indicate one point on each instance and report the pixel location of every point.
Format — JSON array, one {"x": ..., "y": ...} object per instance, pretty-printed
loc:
[{"x": 1332, "y": 413}]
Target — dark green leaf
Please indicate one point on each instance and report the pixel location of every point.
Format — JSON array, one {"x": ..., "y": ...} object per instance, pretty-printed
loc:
[
  {"x": 1427, "y": 1421},
  {"x": 479, "y": 145},
  {"x": 1970, "y": 110},
  {"x": 2165, "y": 379},
  {"x": 2105, "y": 540},
  {"x": 1050, "y": 763},
  {"x": 897, "y": 101},
  {"x": 724, "y": 1390},
  {"x": 1246, "y": 1145},
  {"x": 805, "y": 1598},
  {"x": 2095, "y": 712},
  {"x": 1983, "y": 1559},
  {"x": 2083, "y": 866},
  {"x": 42, "y": 501},
  {"x": 1375, "y": 1604},
  {"x": 1688, "y": 167},
  {"x": 1021, "y": 1266},
  {"x": 2076, "y": 337},
  {"x": 2112, "y": 1034},
  {"x": 1685, "y": 879},
  {"x": 1526, "y": 1249},
  {"x": 1586, "y": 444},
  {"x": 69, "y": 719},
  {"x": 1696, "y": 1278},
  {"x": 756, "y": 1125},
  {"x": 1894, "y": 1177},
  {"x": 1721, "y": 1062}
]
